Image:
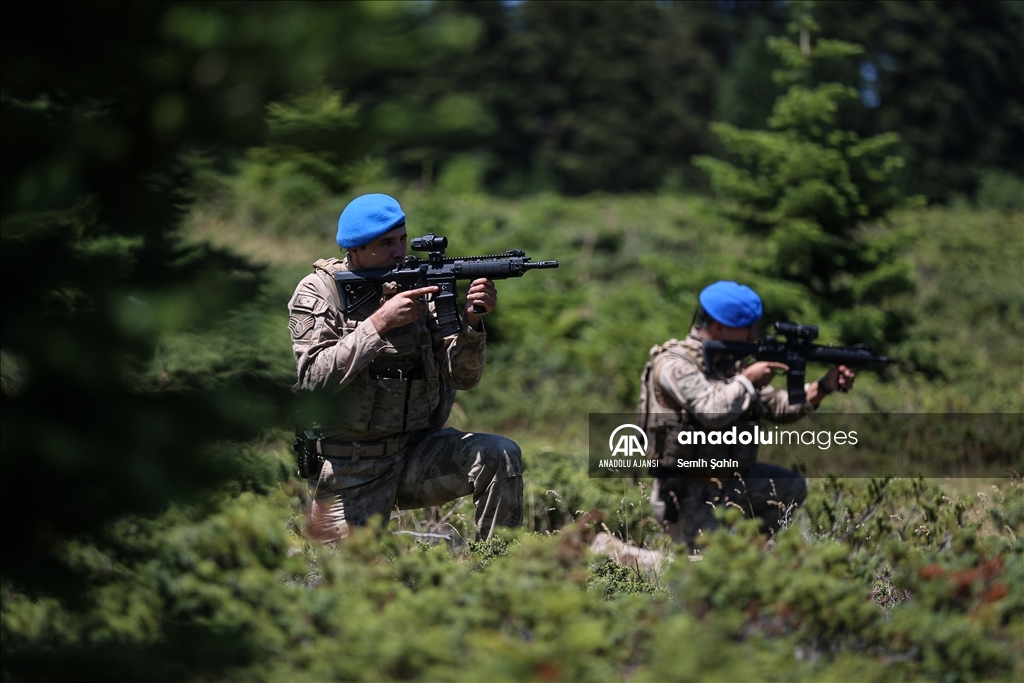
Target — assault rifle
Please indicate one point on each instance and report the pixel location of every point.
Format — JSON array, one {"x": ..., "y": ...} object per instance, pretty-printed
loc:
[
  {"x": 795, "y": 352},
  {"x": 356, "y": 288}
]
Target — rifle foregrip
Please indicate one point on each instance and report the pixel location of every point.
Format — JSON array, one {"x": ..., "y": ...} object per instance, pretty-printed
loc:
[{"x": 496, "y": 269}]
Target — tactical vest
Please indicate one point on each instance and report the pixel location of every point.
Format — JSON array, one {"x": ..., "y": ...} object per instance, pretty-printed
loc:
[
  {"x": 663, "y": 420},
  {"x": 401, "y": 389}
]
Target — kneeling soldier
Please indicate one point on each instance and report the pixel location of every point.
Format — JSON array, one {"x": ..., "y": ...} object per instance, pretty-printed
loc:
[
  {"x": 677, "y": 394},
  {"x": 391, "y": 379}
]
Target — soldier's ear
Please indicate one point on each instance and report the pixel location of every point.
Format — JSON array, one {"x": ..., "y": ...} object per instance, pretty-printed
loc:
[{"x": 354, "y": 255}]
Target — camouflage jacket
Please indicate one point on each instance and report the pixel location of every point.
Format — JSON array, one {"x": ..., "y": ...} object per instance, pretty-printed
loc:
[
  {"x": 676, "y": 393},
  {"x": 381, "y": 386}
]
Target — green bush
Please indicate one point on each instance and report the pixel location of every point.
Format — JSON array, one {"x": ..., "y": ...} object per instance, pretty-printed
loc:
[{"x": 879, "y": 579}]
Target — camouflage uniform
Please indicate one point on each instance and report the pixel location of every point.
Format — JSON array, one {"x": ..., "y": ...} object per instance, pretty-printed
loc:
[
  {"x": 677, "y": 394},
  {"x": 384, "y": 444}
]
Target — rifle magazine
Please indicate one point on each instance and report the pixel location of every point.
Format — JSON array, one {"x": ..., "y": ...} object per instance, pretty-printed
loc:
[{"x": 447, "y": 312}]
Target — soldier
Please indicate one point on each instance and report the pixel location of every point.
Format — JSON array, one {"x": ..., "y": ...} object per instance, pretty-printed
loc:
[
  {"x": 391, "y": 379},
  {"x": 677, "y": 394}
]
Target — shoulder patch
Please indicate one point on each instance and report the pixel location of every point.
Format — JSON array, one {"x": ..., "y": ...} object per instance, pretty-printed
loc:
[{"x": 304, "y": 303}]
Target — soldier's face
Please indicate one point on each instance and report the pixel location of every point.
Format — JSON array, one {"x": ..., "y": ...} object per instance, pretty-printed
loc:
[{"x": 387, "y": 251}]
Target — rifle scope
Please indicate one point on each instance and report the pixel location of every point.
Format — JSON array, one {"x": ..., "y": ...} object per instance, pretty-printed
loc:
[
  {"x": 430, "y": 242},
  {"x": 795, "y": 331}
]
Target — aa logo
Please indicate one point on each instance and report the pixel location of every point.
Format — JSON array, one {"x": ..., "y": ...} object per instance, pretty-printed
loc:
[{"x": 627, "y": 443}]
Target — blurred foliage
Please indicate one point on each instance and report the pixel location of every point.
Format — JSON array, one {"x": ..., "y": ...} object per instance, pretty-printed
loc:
[
  {"x": 942, "y": 76},
  {"x": 809, "y": 187},
  {"x": 612, "y": 96},
  {"x": 558, "y": 96},
  {"x": 227, "y": 590},
  {"x": 969, "y": 295},
  {"x": 1000, "y": 190},
  {"x": 746, "y": 89},
  {"x": 81, "y": 407},
  {"x": 584, "y": 96},
  {"x": 310, "y": 137}
]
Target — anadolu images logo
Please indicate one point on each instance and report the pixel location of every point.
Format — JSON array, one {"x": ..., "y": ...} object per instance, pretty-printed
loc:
[{"x": 628, "y": 444}]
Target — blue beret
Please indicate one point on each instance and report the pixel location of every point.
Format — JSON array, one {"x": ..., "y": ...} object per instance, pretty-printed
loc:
[
  {"x": 731, "y": 304},
  {"x": 366, "y": 218}
]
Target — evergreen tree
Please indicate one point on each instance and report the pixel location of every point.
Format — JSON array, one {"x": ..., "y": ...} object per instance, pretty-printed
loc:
[
  {"x": 585, "y": 97},
  {"x": 747, "y": 91},
  {"x": 102, "y": 107},
  {"x": 812, "y": 188},
  {"x": 946, "y": 77},
  {"x": 93, "y": 275}
]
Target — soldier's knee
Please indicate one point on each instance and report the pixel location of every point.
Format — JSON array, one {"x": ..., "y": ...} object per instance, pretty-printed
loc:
[
  {"x": 504, "y": 455},
  {"x": 515, "y": 455},
  {"x": 510, "y": 464}
]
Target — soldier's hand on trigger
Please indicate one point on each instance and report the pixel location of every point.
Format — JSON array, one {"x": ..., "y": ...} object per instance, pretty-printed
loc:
[
  {"x": 761, "y": 373},
  {"x": 401, "y": 309}
]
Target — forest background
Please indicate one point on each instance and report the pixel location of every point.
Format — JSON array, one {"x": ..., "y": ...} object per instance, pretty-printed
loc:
[{"x": 171, "y": 170}]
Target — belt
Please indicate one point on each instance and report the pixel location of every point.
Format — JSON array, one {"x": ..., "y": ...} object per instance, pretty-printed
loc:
[
  {"x": 333, "y": 448},
  {"x": 396, "y": 373}
]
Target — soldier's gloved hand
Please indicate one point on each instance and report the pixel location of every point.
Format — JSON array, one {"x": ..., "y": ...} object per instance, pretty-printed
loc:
[
  {"x": 761, "y": 373},
  {"x": 401, "y": 309}
]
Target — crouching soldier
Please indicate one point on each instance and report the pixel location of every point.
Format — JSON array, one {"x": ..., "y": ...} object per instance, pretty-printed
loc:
[
  {"x": 390, "y": 379},
  {"x": 677, "y": 394}
]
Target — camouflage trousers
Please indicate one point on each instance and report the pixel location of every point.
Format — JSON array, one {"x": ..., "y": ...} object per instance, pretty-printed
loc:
[
  {"x": 767, "y": 492},
  {"x": 441, "y": 466}
]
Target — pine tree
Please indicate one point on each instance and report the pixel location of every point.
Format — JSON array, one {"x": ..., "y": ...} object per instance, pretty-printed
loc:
[
  {"x": 818, "y": 194},
  {"x": 946, "y": 77}
]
